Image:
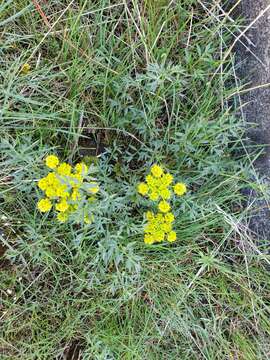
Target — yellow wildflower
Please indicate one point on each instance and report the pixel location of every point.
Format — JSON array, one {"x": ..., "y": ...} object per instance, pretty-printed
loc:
[
  {"x": 167, "y": 179},
  {"x": 165, "y": 194},
  {"x": 150, "y": 180},
  {"x": 164, "y": 206},
  {"x": 51, "y": 192},
  {"x": 150, "y": 227},
  {"x": 52, "y": 161},
  {"x": 156, "y": 170},
  {"x": 64, "y": 169},
  {"x": 61, "y": 191},
  {"x": 172, "y": 236},
  {"x": 169, "y": 217},
  {"x": 42, "y": 184},
  {"x": 153, "y": 196},
  {"x": 62, "y": 206},
  {"x": 143, "y": 188},
  {"x": 150, "y": 215},
  {"x": 159, "y": 218},
  {"x": 52, "y": 179},
  {"x": 159, "y": 236},
  {"x": 166, "y": 227},
  {"x": 62, "y": 217},
  {"x": 81, "y": 169},
  {"x": 66, "y": 189},
  {"x": 44, "y": 205},
  {"x": 180, "y": 189},
  {"x": 149, "y": 239},
  {"x": 25, "y": 68},
  {"x": 159, "y": 185}
]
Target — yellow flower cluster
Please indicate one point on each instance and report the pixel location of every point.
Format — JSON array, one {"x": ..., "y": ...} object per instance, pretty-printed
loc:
[
  {"x": 158, "y": 187},
  {"x": 65, "y": 187},
  {"x": 25, "y": 68},
  {"x": 159, "y": 228}
]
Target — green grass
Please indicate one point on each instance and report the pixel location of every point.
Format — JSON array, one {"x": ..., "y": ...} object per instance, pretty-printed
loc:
[{"x": 126, "y": 84}]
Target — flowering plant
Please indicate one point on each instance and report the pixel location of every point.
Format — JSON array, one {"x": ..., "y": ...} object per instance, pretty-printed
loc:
[
  {"x": 67, "y": 189},
  {"x": 158, "y": 187}
]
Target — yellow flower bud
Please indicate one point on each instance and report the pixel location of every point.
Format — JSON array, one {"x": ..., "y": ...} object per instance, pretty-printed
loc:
[
  {"x": 180, "y": 189},
  {"x": 164, "y": 206},
  {"x": 44, "y": 205},
  {"x": 172, "y": 236},
  {"x": 52, "y": 161}
]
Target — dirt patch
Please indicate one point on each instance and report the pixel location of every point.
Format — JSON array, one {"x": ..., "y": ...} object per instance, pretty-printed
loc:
[
  {"x": 254, "y": 69},
  {"x": 4, "y": 263},
  {"x": 73, "y": 351}
]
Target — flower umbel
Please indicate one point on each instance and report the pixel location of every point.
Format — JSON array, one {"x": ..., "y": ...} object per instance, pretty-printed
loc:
[
  {"x": 52, "y": 161},
  {"x": 158, "y": 186},
  {"x": 25, "y": 68},
  {"x": 171, "y": 236},
  {"x": 158, "y": 229},
  {"x": 44, "y": 205},
  {"x": 143, "y": 188},
  {"x": 164, "y": 206},
  {"x": 67, "y": 189},
  {"x": 180, "y": 189},
  {"x": 156, "y": 170}
]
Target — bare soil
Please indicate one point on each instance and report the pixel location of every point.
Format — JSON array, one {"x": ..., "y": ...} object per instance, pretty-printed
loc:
[{"x": 254, "y": 69}]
